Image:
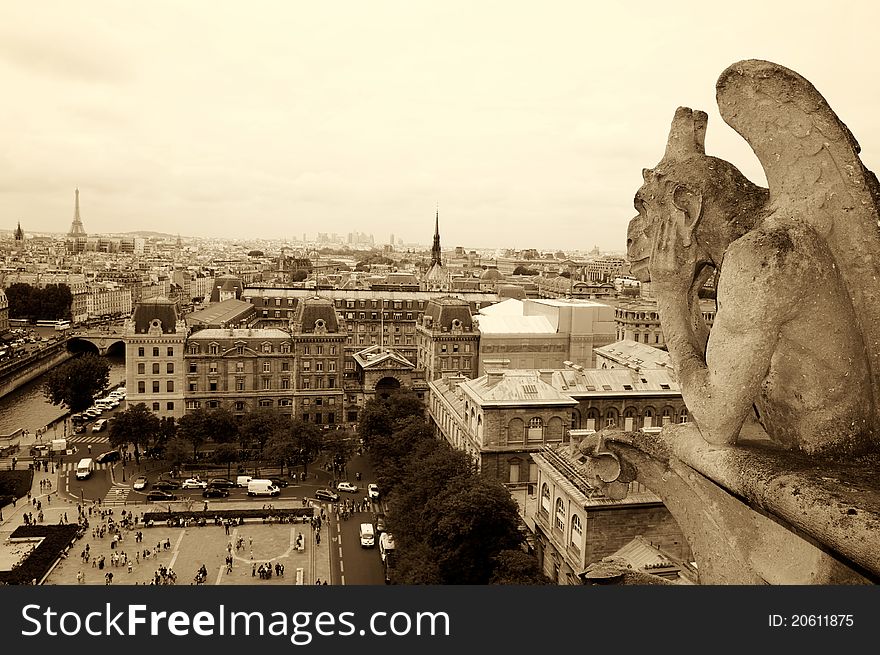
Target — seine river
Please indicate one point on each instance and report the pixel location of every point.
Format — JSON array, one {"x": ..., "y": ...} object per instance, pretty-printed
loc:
[{"x": 27, "y": 407}]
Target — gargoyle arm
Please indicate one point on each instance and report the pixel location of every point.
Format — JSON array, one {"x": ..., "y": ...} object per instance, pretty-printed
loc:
[{"x": 720, "y": 388}]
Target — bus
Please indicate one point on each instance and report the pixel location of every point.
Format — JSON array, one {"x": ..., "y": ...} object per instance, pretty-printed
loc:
[{"x": 57, "y": 324}]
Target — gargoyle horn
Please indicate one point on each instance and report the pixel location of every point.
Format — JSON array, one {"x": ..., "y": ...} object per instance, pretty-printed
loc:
[{"x": 687, "y": 136}]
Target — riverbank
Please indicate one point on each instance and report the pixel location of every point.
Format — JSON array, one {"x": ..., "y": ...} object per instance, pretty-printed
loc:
[{"x": 18, "y": 373}]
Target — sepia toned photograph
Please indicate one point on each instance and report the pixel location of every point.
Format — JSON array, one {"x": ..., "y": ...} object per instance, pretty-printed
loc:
[{"x": 439, "y": 293}]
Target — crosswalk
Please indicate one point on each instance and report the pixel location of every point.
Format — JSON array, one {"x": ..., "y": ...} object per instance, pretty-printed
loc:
[
  {"x": 87, "y": 438},
  {"x": 67, "y": 467},
  {"x": 117, "y": 495}
]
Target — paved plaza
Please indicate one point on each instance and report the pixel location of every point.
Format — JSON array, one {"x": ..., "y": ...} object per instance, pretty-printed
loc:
[{"x": 188, "y": 548}]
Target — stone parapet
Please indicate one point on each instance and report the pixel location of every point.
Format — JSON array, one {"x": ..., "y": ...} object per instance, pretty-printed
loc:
[{"x": 752, "y": 513}]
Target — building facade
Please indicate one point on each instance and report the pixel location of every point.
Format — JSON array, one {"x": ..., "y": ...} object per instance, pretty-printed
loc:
[
  {"x": 639, "y": 320},
  {"x": 319, "y": 355},
  {"x": 501, "y": 418},
  {"x": 447, "y": 340},
  {"x": 240, "y": 369},
  {"x": 575, "y": 524},
  {"x": 155, "y": 337}
]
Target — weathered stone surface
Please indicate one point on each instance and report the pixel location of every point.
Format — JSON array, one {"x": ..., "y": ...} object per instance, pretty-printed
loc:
[
  {"x": 755, "y": 515},
  {"x": 796, "y": 338}
]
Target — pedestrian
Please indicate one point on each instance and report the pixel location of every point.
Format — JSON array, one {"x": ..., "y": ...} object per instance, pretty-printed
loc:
[{"x": 254, "y": 570}]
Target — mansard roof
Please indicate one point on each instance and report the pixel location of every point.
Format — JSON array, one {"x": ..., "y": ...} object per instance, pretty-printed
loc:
[
  {"x": 446, "y": 310},
  {"x": 161, "y": 309},
  {"x": 315, "y": 315}
]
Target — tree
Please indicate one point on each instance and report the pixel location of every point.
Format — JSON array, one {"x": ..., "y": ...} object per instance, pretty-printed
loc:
[
  {"x": 306, "y": 438},
  {"x": 137, "y": 425},
  {"x": 23, "y": 300},
  {"x": 339, "y": 446},
  {"x": 195, "y": 428},
  {"x": 522, "y": 270},
  {"x": 431, "y": 468},
  {"x": 380, "y": 415},
  {"x": 281, "y": 449},
  {"x": 226, "y": 453},
  {"x": 78, "y": 382},
  {"x": 260, "y": 425},
  {"x": 391, "y": 453},
  {"x": 255, "y": 253},
  {"x": 176, "y": 453},
  {"x": 299, "y": 275},
  {"x": 474, "y": 520},
  {"x": 222, "y": 425},
  {"x": 515, "y": 567}
]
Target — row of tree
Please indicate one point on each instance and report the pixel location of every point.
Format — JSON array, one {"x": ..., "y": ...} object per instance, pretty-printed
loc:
[
  {"x": 451, "y": 524},
  {"x": 48, "y": 303},
  {"x": 263, "y": 435}
]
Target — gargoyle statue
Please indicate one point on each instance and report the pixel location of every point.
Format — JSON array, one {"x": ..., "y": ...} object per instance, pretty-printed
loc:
[{"x": 796, "y": 338}]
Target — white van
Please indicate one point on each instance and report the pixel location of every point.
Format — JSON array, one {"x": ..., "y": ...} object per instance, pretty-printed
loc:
[
  {"x": 262, "y": 488},
  {"x": 242, "y": 480},
  {"x": 386, "y": 544},
  {"x": 84, "y": 468},
  {"x": 368, "y": 535}
]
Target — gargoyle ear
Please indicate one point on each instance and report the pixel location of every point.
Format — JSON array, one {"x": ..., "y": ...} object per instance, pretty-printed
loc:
[
  {"x": 647, "y": 174},
  {"x": 690, "y": 203}
]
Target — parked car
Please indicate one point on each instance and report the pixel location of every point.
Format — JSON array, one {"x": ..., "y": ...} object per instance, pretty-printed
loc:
[
  {"x": 326, "y": 494},
  {"x": 221, "y": 483},
  {"x": 380, "y": 522},
  {"x": 347, "y": 486},
  {"x": 194, "y": 483},
  {"x": 109, "y": 456},
  {"x": 165, "y": 485},
  {"x": 215, "y": 492},
  {"x": 160, "y": 495},
  {"x": 279, "y": 482},
  {"x": 140, "y": 483},
  {"x": 100, "y": 425},
  {"x": 373, "y": 491}
]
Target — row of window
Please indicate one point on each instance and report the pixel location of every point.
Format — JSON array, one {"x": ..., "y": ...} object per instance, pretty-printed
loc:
[
  {"x": 214, "y": 349},
  {"x": 169, "y": 386},
  {"x": 142, "y": 368},
  {"x": 266, "y": 385},
  {"x": 239, "y": 367},
  {"x": 169, "y": 351},
  {"x": 576, "y": 533}
]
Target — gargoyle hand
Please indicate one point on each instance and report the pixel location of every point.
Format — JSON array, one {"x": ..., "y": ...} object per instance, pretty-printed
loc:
[{"x": 673, "y": 256}]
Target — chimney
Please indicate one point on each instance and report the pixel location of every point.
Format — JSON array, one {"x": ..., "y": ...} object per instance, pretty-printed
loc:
[{"x": 494, "y": 376}]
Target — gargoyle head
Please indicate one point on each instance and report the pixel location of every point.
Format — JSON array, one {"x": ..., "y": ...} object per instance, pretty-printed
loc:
[{"x": 705, "y": 194}]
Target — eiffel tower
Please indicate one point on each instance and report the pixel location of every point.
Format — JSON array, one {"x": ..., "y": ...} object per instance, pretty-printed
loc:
[{"x": 76, "y": 228}]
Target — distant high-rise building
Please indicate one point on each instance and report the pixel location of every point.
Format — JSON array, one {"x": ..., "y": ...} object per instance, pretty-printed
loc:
[
  {"x": 392, "y": 239},
  {"x": 76, "y": 228},
  {"x": 76, "y": 238}
]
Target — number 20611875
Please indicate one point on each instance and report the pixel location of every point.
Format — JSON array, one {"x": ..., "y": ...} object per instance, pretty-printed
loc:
[{"x": 811, "y": 621}]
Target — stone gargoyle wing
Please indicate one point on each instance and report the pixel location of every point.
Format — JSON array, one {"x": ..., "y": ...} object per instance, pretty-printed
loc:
[{"x": 814, "y": 175}]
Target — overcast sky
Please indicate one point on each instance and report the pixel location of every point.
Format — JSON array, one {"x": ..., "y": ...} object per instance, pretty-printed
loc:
[{"x": 528, "y": 123}]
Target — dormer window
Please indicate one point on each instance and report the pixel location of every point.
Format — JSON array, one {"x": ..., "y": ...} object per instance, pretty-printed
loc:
[
  {"x": 213, "y": 348},
  {"x": 267, "y": 348},
  {"x": 320, "y": 324},
  {"x": 456, "y": 324}
]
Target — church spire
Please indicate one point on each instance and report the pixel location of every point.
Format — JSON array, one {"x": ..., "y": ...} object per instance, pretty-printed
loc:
[{"x": 435, "y": 249}]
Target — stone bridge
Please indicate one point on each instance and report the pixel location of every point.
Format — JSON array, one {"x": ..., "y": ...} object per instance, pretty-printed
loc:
[{"x": 102, "y": 339}]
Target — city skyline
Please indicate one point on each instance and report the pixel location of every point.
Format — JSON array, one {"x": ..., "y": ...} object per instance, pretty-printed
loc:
[{"x": 528, "y": 127}]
